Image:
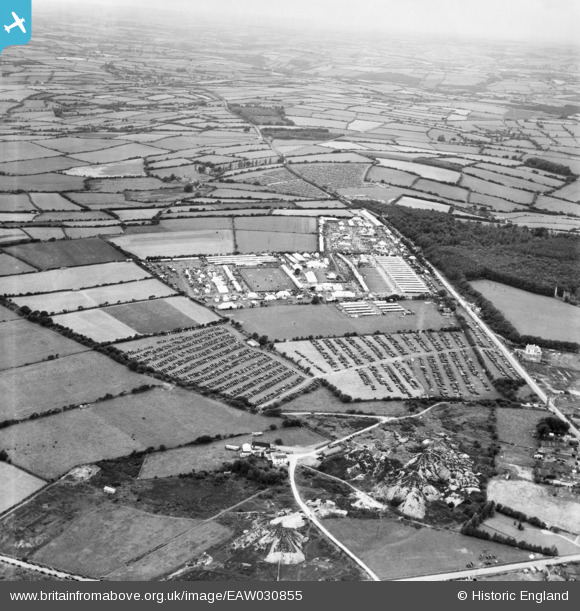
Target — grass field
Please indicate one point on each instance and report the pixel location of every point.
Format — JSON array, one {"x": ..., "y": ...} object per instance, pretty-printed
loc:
[
  {"x": 72, "y": 278},
  {"x": 24, "y": 343},
  {"x": 15, "y": 202},
  {"x": 175, "y": 553},
  {"x": 536, "y": 536},
  {"x": 262, "y": 241},
  {"x": 176, "y": 243},
  {"x": 395, "y": 551},
  {"x": 109, "y": 538},
  {"x": 276, "y": 224},
  {"x": 562, "y": 510},
  {"x": 122, "y": 321},
  {"x": 9, "y": 266},
  {"x": 161, "y": 314},
  {"x": 262, "y": 279},
  {"x": 68, "y": 301},
  {"x": 322, "y": 400},
  {"x": 109, "y": 429},
  {"x": 533, "y": 314},
  {"x": 67, "y": 253},
  {"x": 16, "y": 485},
  {"x": 65, "y": 381},
  {"x": 7, "y": 314},
  {"x": 52, "y": 201},
  {"x": 287, "y": 322},
  {"x": 210, "y": 457},
  {"x": 96, "y": 324}
]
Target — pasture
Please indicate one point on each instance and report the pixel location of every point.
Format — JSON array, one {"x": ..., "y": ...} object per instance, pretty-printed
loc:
[
  {"x": 262, "y": 241},
  {"x": 174, "y": 554},
  {"x": 322, "y": 400},
  {"x": 178, "y": 243},
  {"x": 70, "y": 380},
  {"x": 121, "y": 169},
  {"x": 533, "y": 314},
  {"x": 424, "y": 171},
  {"x": 422, "y": 204},
  {"x": 16, "y": 485},
  {"x": 72, "y": 278},
  {"x": 532, "y": 499},
  {"x": 7, "y": 314},
  {"x": 110, "y": 429},
  {"x": 119, "y": 153},
  {"x": 52, "y": 201},
  {"x": 24, "y": 343},
  {"x": 394, "y": 550},
  {"x": 287, "y": 322},
  {"x": 111, "y": 537},
  {"x": 158, "y": 315},
  {"x": 95, "y": 324},
  {"x": 15, "y": 202},
  {"x": 68, "y": 301},
  {"x": 10, "y": 266},
  {"x": 45, "y": 233},
  {"x": 276, "y": 224},
  {"x": 66, "y": 253}
]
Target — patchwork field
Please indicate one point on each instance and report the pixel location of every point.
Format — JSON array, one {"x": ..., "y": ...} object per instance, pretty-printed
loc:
[
  {"x": 73, "y": 278},
  {"x": 287, "y": 322},
  {"x": 68, "y": 253},
  {"x": 533, "y": 314},
  {"x": 162, "y": 314},
  {"x": 16, "y": 485},
  {"x": 68, "y": 301},
  {"x": 178, "y": 243},
  {"x": 70, "y": 380},
  {"x": 117, "y": 427},
  {"x": 24, "y": 343}
]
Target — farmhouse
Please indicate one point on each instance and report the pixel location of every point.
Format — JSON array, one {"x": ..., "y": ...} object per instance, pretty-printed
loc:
[
  {"x": 279, "y": 459},
  {"x": 533, "y": 353}
]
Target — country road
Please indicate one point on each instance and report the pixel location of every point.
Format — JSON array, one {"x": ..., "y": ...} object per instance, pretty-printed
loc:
[
  {"x": 297, "y": 456},
  {"x": 496, "y": 570},
  {"x": 509, "y": 356},
  {"x": 43, "y": 569}
]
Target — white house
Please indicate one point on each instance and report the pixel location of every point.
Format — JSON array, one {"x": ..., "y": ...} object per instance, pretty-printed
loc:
[{"x": 279, "y": 459}]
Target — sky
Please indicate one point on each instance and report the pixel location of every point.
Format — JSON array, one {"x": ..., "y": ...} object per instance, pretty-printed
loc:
[{"x": 522, "y": 20}]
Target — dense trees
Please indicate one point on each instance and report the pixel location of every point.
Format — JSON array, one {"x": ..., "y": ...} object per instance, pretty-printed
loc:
[
  {"x": 551, "y": 424},
  {"x": 548, "y": 166},
  {"x": 530, "y": 259}
]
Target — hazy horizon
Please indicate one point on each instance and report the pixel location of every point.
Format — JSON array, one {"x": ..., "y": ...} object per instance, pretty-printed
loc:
[{"x": 510, "y": 20}]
